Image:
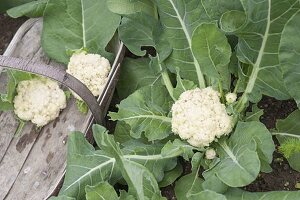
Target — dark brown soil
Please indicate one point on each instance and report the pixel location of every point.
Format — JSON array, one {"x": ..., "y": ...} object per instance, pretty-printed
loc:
[
  {"x": 282, "y": 177},
  {"x": 8, "y": 27}
]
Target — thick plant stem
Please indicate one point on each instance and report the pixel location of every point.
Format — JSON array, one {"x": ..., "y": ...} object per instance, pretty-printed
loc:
[
  {"x": 166, "y": 79},
  {"x": 168, "y": 84},
  {"x": 286, "y": 134}
]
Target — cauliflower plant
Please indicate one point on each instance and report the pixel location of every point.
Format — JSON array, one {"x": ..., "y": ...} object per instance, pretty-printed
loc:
[
  {"x": 199, "y": 117},
  {"x": 91, "y": 69},
  {"x": 39, "y": 100}
]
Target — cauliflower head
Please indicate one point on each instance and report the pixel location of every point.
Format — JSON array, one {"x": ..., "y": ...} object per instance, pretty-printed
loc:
[
  {"x": 199, "y": 117},
  {"x": 91, "y": 69},
  {"x": 210, "y": 154},
  {"x": 39, "y": 100},
  {"x": 231, "y": 98}
]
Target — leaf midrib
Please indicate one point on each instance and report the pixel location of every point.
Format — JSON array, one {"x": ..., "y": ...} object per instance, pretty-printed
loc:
[
  {"x": 83, "y": 24},
  {"x": 189, "y": 39}
]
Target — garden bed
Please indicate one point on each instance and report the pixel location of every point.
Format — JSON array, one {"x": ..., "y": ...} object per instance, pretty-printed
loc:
[{"x": 282, "y": 177}]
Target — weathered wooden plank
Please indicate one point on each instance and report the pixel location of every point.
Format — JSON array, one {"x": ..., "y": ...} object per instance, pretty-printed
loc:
[{"x": 31, "y": 165}]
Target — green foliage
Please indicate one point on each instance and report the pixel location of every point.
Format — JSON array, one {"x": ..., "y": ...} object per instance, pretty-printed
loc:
[
  {"x": 7, "y": 4},
  {"x": 31, "y": 9},
  {"x": 288, "y": 56},
  {"x": 288, "y": 135},
  {"x": 290, "y": 147},
  {"x": 146, "y": 111},
  {"x": 82, "y": 106},
  {"x": 88, "y": 170},
  {"x": 81, "y": 25}
]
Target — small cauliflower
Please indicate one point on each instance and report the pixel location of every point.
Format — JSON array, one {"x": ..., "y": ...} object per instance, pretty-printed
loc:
[
  {"x": 91, "y": 69},
  {"x": 231, "y": 98},
  {"x": 199, "y": 117},
  {"x": 39, "y": 100},
  {"x": 210, "y": 154}
]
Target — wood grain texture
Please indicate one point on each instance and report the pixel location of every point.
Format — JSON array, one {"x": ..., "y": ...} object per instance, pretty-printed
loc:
[{"x": 31, "y": 165}]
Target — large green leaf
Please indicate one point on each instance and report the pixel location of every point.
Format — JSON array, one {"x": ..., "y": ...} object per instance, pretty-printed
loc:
[
  {"x": 290, "y": 128},
  {"x": 141, "y": 182},
  {"x": 259, "y": 45},
  {"x": 146, "y": 111},
  {"x": 239, "y": 164},
  {"x": 70, "y": 25},
  {"x": 180, "y": 18},
  {"x": 236, "y": 194},
  {"x": 289, "y": 56},
  {"x": 135, "y": 73},
  {"x": 242, "y": 155},
  {"x": 246, "y": 131},
  {"x": 85, "y": 166},
  {"x": 213, "y": 52},
  {"x": 31, "y": 9},
  {"x": 89, "y": 167}
]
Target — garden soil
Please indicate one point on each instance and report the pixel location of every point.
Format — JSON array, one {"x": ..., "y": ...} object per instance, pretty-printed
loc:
[{"x": 282, "y": 177}]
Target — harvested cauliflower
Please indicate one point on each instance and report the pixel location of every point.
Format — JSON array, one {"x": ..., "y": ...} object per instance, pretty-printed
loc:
[
  {"x": 91, "y": 69},
  {"x": 199, "y": 117},
  {"x": 39, "y": 100}
]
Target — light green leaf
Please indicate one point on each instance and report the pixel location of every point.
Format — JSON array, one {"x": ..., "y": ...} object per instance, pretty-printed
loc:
[
  {"x": 128, "y": 7},
  {"x": 103, "y": 191},
  {"x": 289, "y": 56},
  {"x": 242, "y": 154},
  {"x": 178, "y": 147},
  {"x": 146, "y": 111},
  {"x": 70, "y": 25},
  {"x": 31, "y": 9},
  {"x": 289, "y": 128},
  {"x": 246, "y": 131},
  {"x": 156, "y": 162},
  {"x": 259, "y": 46},
  {"x": 180, "y": 18},
  {"x": 236, "y": 194},
  {"x": 82, "y": 106},
  {"x": 212, "y": 51},
  {"x": 239, "y": 164},
  {"x": 207, "y": 194},
  {"x": 135, "y": 73}
]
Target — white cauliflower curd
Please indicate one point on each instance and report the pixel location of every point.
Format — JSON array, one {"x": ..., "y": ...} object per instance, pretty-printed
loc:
[
  {"x": 210, "y": 154},
  {"x": 231, "y": 98},
  {"x": 91, "y": 69},
  {"x": 39, "y": 100},
  {"x": 199, "y": 117}
]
